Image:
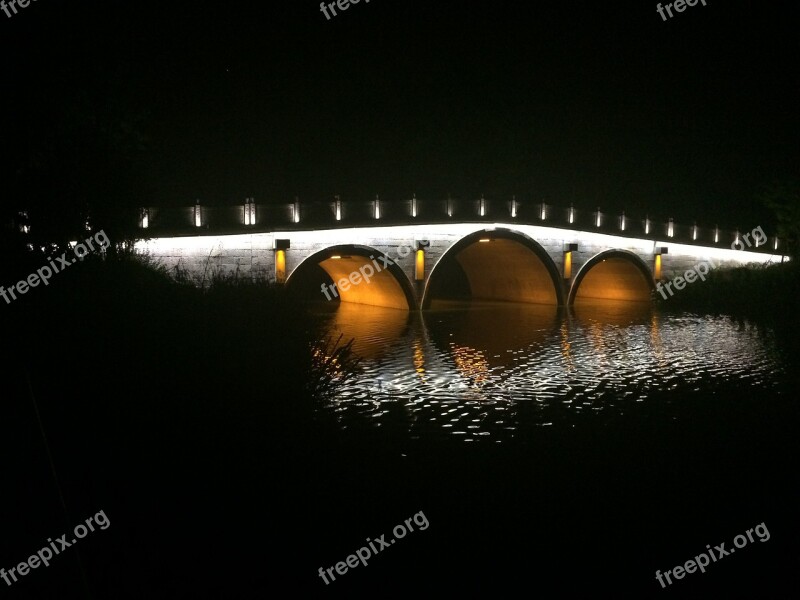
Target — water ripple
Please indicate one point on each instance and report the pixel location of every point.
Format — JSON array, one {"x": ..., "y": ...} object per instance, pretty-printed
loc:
[{"x": 480, "y": 373}]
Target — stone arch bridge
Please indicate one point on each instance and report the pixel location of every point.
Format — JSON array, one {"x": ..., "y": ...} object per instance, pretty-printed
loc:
[{"x": 407, "y": 261}]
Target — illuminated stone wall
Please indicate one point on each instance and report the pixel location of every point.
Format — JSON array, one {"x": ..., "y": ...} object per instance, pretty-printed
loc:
[{"x": 501, "y": 271}]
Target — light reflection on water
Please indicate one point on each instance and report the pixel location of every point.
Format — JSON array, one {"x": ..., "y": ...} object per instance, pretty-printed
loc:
[{"x": 487, "y": 371}]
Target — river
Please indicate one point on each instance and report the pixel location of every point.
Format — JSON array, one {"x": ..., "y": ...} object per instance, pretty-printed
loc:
[{"x": 487, "y": 372}]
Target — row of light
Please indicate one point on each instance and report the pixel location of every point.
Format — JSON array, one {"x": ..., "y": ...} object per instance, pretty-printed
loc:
[{"x": 249, "y": 215}]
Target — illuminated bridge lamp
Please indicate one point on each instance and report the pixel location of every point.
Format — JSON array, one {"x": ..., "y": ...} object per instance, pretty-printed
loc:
[
  {"x": 419, "y": 260},
  {"x": 657, "y": 269},
  {"x": 280, "y": 246},
  {"x": 249, "y": 212},
  {"x": 568, "y": 250},
  {"x": 198, "y": 216}
]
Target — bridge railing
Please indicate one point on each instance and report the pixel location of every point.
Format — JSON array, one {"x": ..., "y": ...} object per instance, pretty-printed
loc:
[{"x": 252, "y": 217}]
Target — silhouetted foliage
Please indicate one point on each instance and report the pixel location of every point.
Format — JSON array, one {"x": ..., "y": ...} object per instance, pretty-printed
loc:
[{"x": 783, "y": 198}]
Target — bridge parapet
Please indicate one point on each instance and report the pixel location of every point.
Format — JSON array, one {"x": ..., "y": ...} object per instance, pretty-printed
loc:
[{"x": 252, "y": 217}]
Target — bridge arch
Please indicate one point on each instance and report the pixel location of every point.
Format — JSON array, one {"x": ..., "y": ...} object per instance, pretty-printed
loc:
[
  {"x": 613, "y": 275},
  {"x": 497, "y": 264},
  {"x": 372, "y": 278}
]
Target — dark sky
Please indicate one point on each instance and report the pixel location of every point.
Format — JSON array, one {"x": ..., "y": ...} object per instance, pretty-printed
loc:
[{"x": 596, "y": 103}]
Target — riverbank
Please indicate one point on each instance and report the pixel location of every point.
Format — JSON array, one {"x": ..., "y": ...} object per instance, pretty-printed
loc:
[{"x": 759, "y": 292}]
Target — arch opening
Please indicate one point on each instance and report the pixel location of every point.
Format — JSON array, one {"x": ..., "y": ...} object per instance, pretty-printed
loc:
[
  {"x": 353, "y": 275},
  {"x": 613, "y": 275},
  {"x": 498, "y": 265}
]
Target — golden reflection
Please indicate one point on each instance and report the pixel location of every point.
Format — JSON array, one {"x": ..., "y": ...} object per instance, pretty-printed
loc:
[
  {"x": 471, "y": 363},
  {"x": 566, "y": 346},
  {"x": 376, "y": 330},
  {"x": 499, "y": 330},
  {"x": 617, "y": 313},
  {"x": 597, "y": 340},
  {"x": 419, "y": 359},
  {"x": 655, "y": 339}
]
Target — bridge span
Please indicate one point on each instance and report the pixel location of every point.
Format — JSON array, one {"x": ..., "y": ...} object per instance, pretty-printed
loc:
[{"x": 415, "y": 266}]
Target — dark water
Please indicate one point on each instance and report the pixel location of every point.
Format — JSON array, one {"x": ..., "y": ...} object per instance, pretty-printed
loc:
[{"x": 487, "y": 372}]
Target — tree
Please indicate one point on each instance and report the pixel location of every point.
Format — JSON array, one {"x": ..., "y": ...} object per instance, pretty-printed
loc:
[{"x": 783, "y": 199}]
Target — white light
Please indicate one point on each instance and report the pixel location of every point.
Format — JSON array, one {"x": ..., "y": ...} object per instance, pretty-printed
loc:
[
  {"x": 202, "y": 246},
  {"x": 377, "y": 207},
  {"x": 296, "y": 211},
  {"x": 249, "y": 212},
  {"x": 670, "y": 229},
  {"x": 482, "y": 209},
  {"x": 776, "y": 242},
  {"x": 727, "y": 254},
  {"x": 414, "y": 206},
  {"x": 338, "y": 208},
  {"x": 646, "y": 226},
  {"x": 571, "y": 215},
  {"x": 622, "y": 222},
  {"x": 694, "y": 232},
  {"x": 145, "y": 218},
  {"x": 597, "y": 220},
  {"x": 513, "y": 207},
  {"x": 716, "y": 235},
  {"x": 544, "y": 211},
  {"x": 198, "y": 219},
  {"x": 449, "y": 206}
]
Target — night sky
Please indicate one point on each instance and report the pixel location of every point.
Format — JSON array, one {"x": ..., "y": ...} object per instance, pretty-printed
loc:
[{"x": 598, "y": 103}]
